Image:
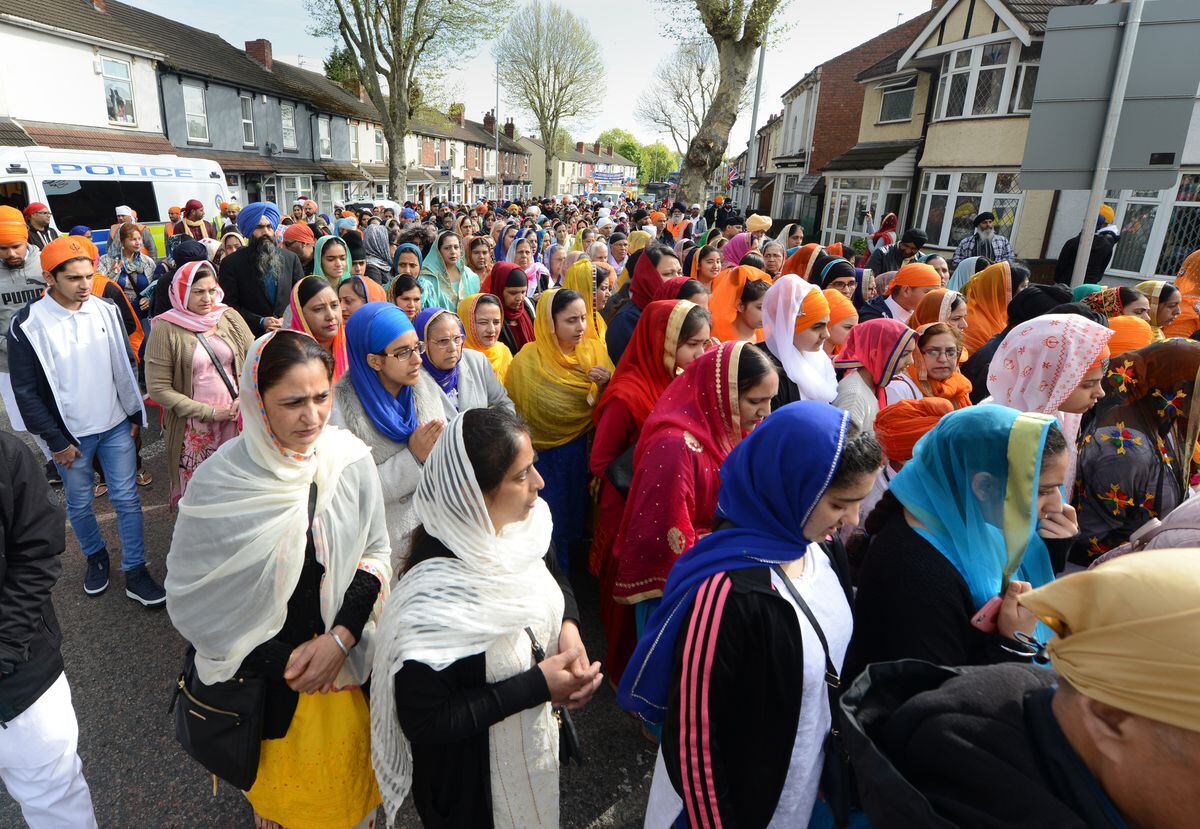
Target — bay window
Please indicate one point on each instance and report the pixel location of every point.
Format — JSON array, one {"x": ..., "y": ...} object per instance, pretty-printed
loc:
[
  {"x": 989, "y": 79},
  {"x": 950, "y": 200}
]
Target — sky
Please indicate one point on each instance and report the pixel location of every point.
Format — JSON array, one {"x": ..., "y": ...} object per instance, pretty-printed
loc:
[{"x": 629, "y": 33}]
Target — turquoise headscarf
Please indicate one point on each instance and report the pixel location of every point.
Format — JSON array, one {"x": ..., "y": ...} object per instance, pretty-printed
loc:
[
  {"x": 437, "y": 291},
  {"x": 993, "y": 541},
  {"x": 317, "y": 270},
  {"x": 963, "y": 273},
  {"x": 1080, "y": 291}
]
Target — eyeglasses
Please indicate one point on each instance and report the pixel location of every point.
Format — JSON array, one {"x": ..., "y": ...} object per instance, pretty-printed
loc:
[
  {"x": 407, "y": 352},
  {"x": 936, "y": 354},
  {"x": 449, "y": 342}
]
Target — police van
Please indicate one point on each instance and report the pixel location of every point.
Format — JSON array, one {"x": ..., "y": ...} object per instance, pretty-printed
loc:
[{"x": 84, "y": 187}]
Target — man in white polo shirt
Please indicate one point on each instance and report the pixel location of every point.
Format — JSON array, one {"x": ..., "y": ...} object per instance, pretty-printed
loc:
[{"x": 73, "y": 376}]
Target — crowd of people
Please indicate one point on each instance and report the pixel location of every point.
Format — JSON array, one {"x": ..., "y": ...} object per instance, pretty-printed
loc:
[{"x": 878, "y": 515}]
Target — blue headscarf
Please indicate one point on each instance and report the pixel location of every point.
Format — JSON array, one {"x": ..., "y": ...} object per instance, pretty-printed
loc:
[
  {"x": 987, "y": 542},
  {"x": 368, "y": 331},
  {"x": 447, "y": 379},
  {"x": 499, "y": 250},
  {"x": 250, "y": 215},
  {"x": 410, "y": 247},
  {"x": 347, "y": 223},
  {"x": 768, "y": 492}
]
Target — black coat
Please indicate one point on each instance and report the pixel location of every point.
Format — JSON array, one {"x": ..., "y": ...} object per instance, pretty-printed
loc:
[
  {"x": 446, "y": 715},
  {"x": 752, "y": 685},
  {"x": 788, "y": 391},
  {"x": 1104, "y": 245},
  {"x": 885, "y": 259},
  {"x": 874, "y": 309},
  {"x": 977, "y": 748},
  {"x": 244, "y": 290},
  {"x": 32, "y": 538}
]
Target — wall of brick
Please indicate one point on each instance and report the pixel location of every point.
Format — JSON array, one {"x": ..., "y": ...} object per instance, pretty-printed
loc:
[{"x": 839, "y": 106}]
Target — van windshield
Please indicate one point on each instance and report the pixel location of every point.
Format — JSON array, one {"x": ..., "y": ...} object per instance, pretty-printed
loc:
[{"x": 93, "y": 203}]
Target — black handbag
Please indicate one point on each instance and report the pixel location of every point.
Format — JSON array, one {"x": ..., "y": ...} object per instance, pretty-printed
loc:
[
  {"x": 837, "y": 782},
  {"x": 568, "y": 738},
  {"x": 620, "y": 471},
  {"x": 220, "y": 726}
]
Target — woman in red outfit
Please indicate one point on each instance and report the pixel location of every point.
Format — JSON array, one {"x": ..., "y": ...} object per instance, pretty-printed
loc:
[
  {"x": 702, "y": 415},
  {"x": 670, "y": 335}
]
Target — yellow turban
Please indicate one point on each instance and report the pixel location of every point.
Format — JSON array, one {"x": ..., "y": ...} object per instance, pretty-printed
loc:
[
  {"x": 758, "y": 223},
  {"x": 1128, "y": 633}
]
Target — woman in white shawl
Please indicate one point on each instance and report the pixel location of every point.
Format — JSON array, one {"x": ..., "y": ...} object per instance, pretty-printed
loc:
[
  {"x": 460, "y": 708},
  {"x": 795, "y": 327},
  {"x": 260, "y": 590}
]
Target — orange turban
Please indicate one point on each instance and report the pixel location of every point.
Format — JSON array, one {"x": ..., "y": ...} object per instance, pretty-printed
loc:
[
  {"x": 840, "y": 307},
  {"x": 66, "y": 248},
  {"x": 656, "y": 215},
  {"x": 899, "y": 426},
  {"x": 800, "y": 262},
  {"x": 813, "y": 309},
  {"x": 300, "y": 232},
  {"x": 1129, "y": 334},
  {"x": 12, "y": 226},
  {"x": 915, "y": 275}
]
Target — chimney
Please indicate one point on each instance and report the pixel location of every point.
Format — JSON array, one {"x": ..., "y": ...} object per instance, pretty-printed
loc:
[
  {"x": 578, "y": 146},
  {"x": 937, "y": 4},
  {"x": 596, "y": 148},
  {"x": 260, "y": 52},
  {"x": 489, "y": 122},
  {"x": 458, "y": 113},
  {"x": 608, "y": 150},
  {"x": 510, "y": 128}
]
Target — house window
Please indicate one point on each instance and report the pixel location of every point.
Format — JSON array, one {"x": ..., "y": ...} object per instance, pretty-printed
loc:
[
  {"x": 287, "y": 114},
  {"x": 897, "y": 100},
  {"x": 195, "y": 112},
  {"x": 1026, "y": 78},
  {"x": 437, "y": 152},
  {"x": 118, "y": 91},
  {"x": 951, "y": 200},
  {"x": 247, "y": 103},
  {"x": 990, "y": 79},
  {"x": 1159, "y": 228},
  {"x": 292, "y": 187},
  {"x": 324, "y": 142},
  {"x": 354, "y": 141},
  {"x": 380, "y": 155}
]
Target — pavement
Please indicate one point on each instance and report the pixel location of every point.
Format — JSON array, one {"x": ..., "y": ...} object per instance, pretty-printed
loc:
[{"x": 122, "y": 661}]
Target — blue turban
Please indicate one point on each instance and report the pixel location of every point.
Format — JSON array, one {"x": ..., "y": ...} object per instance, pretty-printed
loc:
[
  {"x": 80, "y": 230},
  {"x": 345, "y": 224},
  {"x": 369, "y": 331},
  {"x": 250, "y": 215}
]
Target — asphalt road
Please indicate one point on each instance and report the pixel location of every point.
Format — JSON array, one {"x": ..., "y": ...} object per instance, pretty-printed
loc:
[{"x": 122, "y": 660}]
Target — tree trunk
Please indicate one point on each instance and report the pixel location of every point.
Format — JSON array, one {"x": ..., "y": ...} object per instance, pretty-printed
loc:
[
  {"x": 710, "y": 142},
  {"x": 394, "y": 129}
]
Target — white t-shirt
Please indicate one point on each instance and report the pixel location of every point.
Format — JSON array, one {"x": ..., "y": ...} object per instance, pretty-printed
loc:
[
  {"x": 902, "y": 388},
  {"x": 82, "y": 366},
  {"x": 819, "y": 586},
  {"x": 857, "y": 398}
]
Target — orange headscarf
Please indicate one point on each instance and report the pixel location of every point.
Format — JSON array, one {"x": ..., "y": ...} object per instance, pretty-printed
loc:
[
  {"x": 1129, "y": 334},
  {"x": 840, "y": 306},
  {"x": 915, "y": 275},
  {"x": 934, "y": 307},
  {"x": 12, "y": 226},
  {"x": 899, "y": 426},
  {"x": 1188, "y": 283},
  {"x": 726, "y": 294},
  {"x": 988, "y": 294},
  {"x": 956, "y": 388},
  {"x": 800, "y": 262}
]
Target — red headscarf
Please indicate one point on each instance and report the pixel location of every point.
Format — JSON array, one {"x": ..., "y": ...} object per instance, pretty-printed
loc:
[
  {"x": 671, "y": 288},
  {"x": 646, "y": 281},
  {"x": 887, "y": 230},
  {"x": 800, "y": 262},
  {"x": 647, "y": 366},
  {"x": 494, "y": 285},
  {"x": 877, "y": 346}
]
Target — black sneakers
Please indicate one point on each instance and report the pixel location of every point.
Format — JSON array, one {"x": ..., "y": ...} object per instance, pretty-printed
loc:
[
  {"x": 95, "y": 578},
  {"x": 141, "y": 587}
]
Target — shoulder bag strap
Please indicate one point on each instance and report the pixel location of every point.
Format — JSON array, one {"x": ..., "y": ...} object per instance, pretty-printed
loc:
[
  {"x": 229, "y": 386},
  {"x": 832, "y": 678}
]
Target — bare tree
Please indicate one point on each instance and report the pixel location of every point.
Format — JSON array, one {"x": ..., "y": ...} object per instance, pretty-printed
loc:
[
  {"x": 737, "y": 29},
  {"x": 685, "y": 85},
  {"x": 397, "y": 46},
  {"x": 551, "y": 66}
]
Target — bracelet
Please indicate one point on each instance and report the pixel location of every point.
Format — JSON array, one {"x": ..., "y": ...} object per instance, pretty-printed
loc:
[{"x": 340, "y": 643}]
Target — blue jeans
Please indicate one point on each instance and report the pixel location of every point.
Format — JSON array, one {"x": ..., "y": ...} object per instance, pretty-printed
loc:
[{"x": 118, "y": 457}]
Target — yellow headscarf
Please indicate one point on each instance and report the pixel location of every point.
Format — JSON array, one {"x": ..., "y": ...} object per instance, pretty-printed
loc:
[
  {"x": 638, "y": 239},
  {"x": 498, "y": 355},
  {"x": 1127, "y": 633},
  {"x": 550, "y": 389},
  {"x": 579, "y": 279},
  {"x": 1153, "y": 289}
]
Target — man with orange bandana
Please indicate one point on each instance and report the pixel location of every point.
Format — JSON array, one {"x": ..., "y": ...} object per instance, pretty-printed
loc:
[
  {"x": 20, "y": 268},
  {"x": 912, "y": 282},
  {"x": 74, "y": 378}
]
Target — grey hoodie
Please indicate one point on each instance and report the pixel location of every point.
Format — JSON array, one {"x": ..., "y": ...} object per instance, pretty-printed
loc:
[{"x": 17, "y": 287}]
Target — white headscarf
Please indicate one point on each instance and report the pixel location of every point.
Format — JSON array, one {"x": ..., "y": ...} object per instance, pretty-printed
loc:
[
  {"x": 240, "y": 538},
  {"x": 446, "y": 609},
  {"x": 811, "y": 371}
]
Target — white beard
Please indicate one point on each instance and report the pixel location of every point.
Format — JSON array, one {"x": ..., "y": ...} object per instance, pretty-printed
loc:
[{"x": 986, "y": 235}]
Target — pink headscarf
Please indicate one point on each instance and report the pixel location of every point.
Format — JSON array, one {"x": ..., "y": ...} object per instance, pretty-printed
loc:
[
  {"x": 735, "y": 249},
  {"x": 876, "y": 345},
  {"x": 1039, "y": 364},
  {"x": 181, "y": 286}
]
